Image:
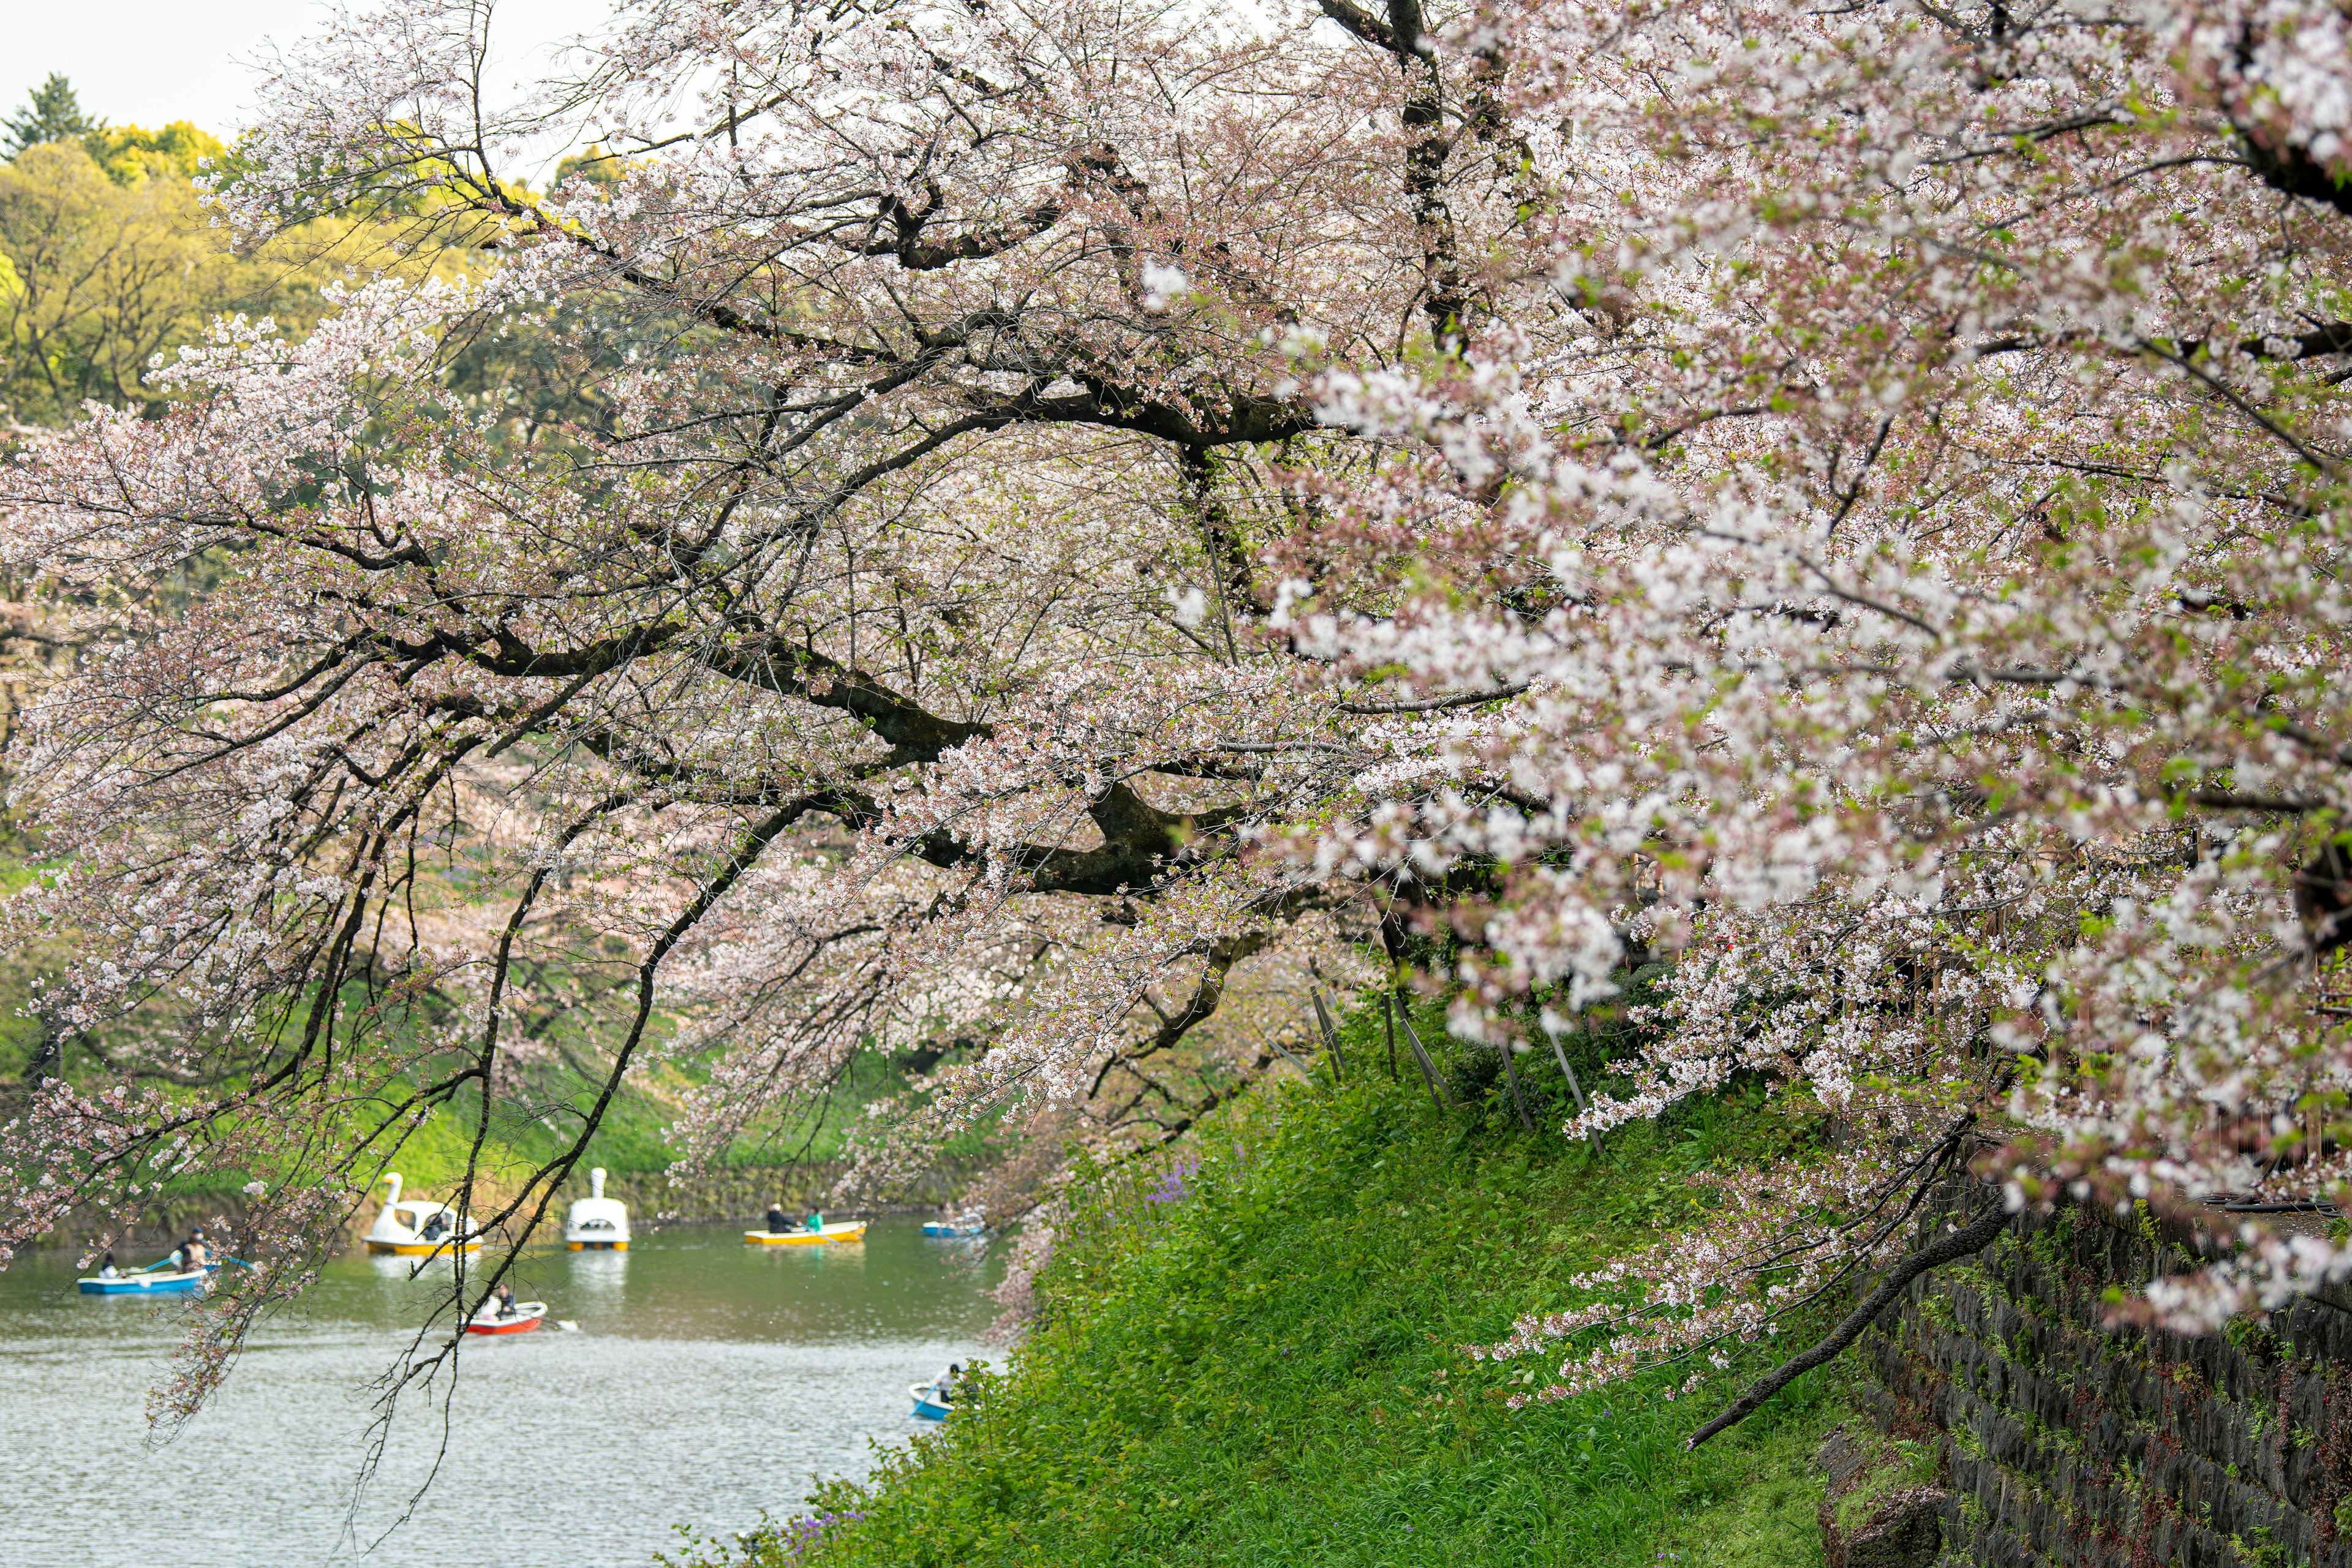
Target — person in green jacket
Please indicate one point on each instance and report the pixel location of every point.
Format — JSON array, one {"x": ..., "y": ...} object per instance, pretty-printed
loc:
[{"x": 815, "y": 1221}]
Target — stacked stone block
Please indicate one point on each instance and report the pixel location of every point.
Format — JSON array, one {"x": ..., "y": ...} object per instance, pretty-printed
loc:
[{"x": 2067, "y": 1440}]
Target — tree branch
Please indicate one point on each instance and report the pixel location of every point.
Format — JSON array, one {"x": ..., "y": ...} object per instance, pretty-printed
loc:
[{"x": 1966, "y": 1241}]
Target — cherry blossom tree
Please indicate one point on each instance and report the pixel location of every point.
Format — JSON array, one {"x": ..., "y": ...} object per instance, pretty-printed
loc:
[
  {"x": 1913, "y": 602},
  {"x": 867, "y": 655},
  {"x": 1086, "y": 522}
]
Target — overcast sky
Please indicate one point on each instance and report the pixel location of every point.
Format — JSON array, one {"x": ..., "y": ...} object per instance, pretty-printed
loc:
[{"x": 148, "y": 61}]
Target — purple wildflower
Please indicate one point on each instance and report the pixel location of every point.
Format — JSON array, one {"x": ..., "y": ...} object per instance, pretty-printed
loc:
[
  {"x": 797, "y": 1535},
  {"x": 1171, "y": 1188}
]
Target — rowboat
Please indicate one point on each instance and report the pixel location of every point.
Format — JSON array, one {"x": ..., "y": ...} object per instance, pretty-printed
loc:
[
  {"x": 832, "y": 1234},
  {"x": 418, "y": 1228},
  {"x": 954, "y": 1227},
  {"x": 526, "y": 1317},
  {"x": 596, "y": 1222},
  {"x": 927, "y": 1406},
  {"x": 143, "y": 1284}
]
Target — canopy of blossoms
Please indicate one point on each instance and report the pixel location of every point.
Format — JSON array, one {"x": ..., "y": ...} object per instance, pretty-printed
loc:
[{"x": 1067, "y": 526}]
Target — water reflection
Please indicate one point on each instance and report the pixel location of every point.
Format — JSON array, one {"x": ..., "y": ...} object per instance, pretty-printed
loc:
[
  {"x": 716, "y": 1378},
  {"x": 600, "y": 1278},
  {"x": 400, "y": 1270}
]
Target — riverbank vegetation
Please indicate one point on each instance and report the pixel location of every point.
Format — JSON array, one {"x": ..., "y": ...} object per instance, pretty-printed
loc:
[
  {"x": 1267, "y": 1369},
  {"x": 1254, "y": 1355}
]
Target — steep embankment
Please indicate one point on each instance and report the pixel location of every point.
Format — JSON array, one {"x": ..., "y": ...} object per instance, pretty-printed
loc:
[
  {"x": 1257, "y": 1362},
  {"x": 799, "y": 1165}
]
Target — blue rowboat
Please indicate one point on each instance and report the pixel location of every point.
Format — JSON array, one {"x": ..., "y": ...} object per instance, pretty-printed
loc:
[
  {"x": 143, "y": 1284},
  {"x": 927, "y": 1406},
  {"x": 946, "y": 1228}
]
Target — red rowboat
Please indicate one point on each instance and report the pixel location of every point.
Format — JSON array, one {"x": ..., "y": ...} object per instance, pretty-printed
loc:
[{"x": 528, "y": 1315}]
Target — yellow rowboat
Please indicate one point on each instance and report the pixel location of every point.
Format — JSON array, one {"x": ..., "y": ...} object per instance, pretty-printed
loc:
[
  {"x": 422, "y": 1249},
  {"x": 832, "y": 1234}
]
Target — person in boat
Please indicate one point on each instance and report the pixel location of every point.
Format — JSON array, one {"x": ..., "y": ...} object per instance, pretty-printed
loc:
[
  {"x": 942, "y": 1389},
  {"x": 107, "y": 1270},
  {"x": 777, "y": 1223},
  {"x": 503, "y": 1300},
  {"x": 437, "y": 1225},
  {"x": 194, "y": 1253},
  {"x": 815, "y": 1222}
]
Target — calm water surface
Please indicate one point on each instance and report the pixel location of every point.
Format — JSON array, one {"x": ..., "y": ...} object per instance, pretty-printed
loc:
[{"x": 707, "y": 1380}]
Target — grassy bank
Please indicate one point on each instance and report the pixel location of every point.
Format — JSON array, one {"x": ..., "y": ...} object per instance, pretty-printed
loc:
[
  {"x": 534, "y": 1120},
  {"x": 1259, "y": 1363}
]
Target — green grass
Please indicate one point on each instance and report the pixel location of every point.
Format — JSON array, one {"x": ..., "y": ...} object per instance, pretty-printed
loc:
[{"x": 1268, "y": 1372}]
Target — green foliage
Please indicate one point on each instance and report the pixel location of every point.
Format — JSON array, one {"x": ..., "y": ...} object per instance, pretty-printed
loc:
[
  {"x": 130, "y": 153},
  {"x": 1904, "y": 1465},
  {"x": 52, "y": 113},
  {"x": 1267, "y": 1370},
  {"x": 109, "y": 259},
  {"x": 596, "y": 166},
  {"x": 104, "y": 274}
]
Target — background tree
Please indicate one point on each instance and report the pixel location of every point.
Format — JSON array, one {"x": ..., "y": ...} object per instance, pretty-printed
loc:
[
  {"x": 108, "y": 261},
  {"x": 130, "y": 154},
  {"x": 108, "y": 277},
  {"x": 52, "y": 113}
]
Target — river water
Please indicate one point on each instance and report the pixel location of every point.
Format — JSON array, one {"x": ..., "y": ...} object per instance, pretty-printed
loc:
[{"x": 707, "y": 1381}]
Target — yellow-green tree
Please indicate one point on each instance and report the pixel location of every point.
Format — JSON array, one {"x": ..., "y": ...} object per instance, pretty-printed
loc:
[
  {"x": 103, "y": 275},
  {"x": 130, "y": 153}
]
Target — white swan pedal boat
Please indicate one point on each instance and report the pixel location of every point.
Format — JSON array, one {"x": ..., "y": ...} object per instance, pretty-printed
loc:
[
  {"x": 409, "y": 1229},
  {"x": 596, "y": 1222},
  {"x": 526, "y": 1315}
]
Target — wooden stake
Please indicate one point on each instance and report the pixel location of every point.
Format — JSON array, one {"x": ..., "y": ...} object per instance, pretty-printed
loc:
[
  {"x": 1574, "y": 1087},
  {"x": 1330, "y": 1039},
  {"x": 1437, "y": 1090},
  {"x": 1511, "y": 1075},
  {"x": 1428, "y": 1068}
]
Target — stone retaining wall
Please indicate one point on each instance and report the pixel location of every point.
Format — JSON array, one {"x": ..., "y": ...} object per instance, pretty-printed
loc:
[
  {"x": 2064, "y": 1442},
  {"x": 744, "y": 1193}
]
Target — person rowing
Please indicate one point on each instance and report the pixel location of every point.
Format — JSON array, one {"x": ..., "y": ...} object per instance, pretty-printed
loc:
[
  {"x": 107, "y": 1270},
  {"x": 942, "y": 1389},
  {"x": 814, "y": 1223},
  {"x": 503, "y": 1300}
]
